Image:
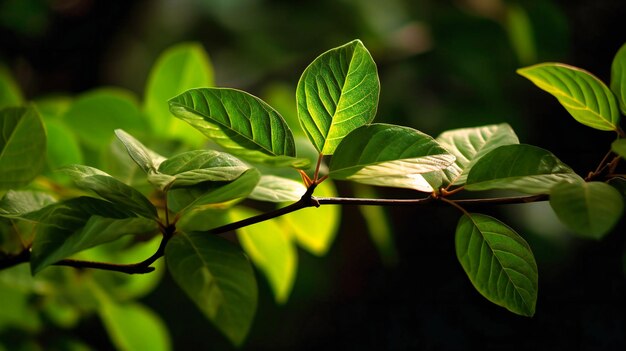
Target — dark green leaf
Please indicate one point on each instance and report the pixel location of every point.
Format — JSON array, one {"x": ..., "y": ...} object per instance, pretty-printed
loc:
[
  {"x": 588, "y": 209},
  {"x": 277, "y": 189},
  {"x": 218, "y": 278},
  {"x": 10, "y": 94},
  {"x": 194, "y": 167},
  {"x": 242, "y": 124},
  {"x": 18, "y": 203},
  {"x": 468, "y": 145},
  {"x": 179, "y": 68},
  {"x": 22, "y": 146},
  {"x": 212, "y": 194},
  {"x": 337, "y": 93},
  {"x": 618, "y": 78},
  {"x": 111, "y": 189},
  {"x": 525, "y": 168},
  {"x": 388, "y": 155},
  {"x": 498, "y": 262},
  {"x": 145, "y": 158},
  {"x": 271, "y": 249},
  {"x": 583, "y": 95}
]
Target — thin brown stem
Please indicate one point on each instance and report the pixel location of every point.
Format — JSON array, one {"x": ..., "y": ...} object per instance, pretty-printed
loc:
[
  {"x": 455, "y": 205},
  {"x": 317, "y": 167}
]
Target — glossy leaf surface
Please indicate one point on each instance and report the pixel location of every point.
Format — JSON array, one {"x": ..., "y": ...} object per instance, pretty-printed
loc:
[
  {"x": 241, "y": 123},
  {"x": 618, "y": 78},
  {"x": 337, "y": 93},
  {"x": 388, "y": 155},
  {"x": 218, "y": 278},
  {"x": 584, "y": 96},
  {"x": 498, "y": 262},
  {"x": 468, "y": 145},
  {"x": 524, "y": 168},
  {"x": 22, "y": 146},
  {"x": 277, "y": 189},
  {"x": 111, "y": 189},
  {"x": 271, "y": 249},
  {"x": 588, "y": 209}
]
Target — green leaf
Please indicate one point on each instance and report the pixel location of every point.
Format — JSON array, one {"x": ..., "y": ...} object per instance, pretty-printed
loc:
[
  {"x": 315, "y": 228},
  {"x": 21, "y": 202},
  {"x": 525, "y": 168},
  {"x": 588, "y": 209},
  {"x": 148, "y": 160},
  {"x": 469, "y": 145},
  {"x": 212, "y": 194},
  {"x": 618, "y": 78},
  {"x": 132, "y": 326},
  {"x": 498, "y": 262},
  {"x": 277, "y": 189},
  {"x": 63, "y": 147},
  {"x": 241, "y": 123},
  {"x": 218, "y": 278},
  {"x": 583, "y": 95},
  {"x": 619, "y": 147},
  {"x": 94, "y": 115},
  {"x": 22, "y": 146},
  {"x": 337, "y": 93},
  {"x": 271, "y": 249},
  {"x": 74, "y": 225},
  {"x": 111, "y": 189},
  {"x": 194, "y": 167},
  {"x": 10, "y": 94},
  {"x": 388, "y": 155},
  {"x": 179, "y": 68}
]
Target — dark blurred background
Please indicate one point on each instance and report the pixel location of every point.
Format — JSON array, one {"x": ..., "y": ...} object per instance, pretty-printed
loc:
[{"x": 442, "y": 65}]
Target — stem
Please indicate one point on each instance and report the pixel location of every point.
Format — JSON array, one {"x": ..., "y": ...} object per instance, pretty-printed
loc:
[
  {"x": 454, "y": 204},
  {"x": 317, "y": 167}
]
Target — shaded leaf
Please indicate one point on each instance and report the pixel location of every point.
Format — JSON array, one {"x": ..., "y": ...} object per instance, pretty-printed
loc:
[
  {"x": 148, "y": 160},
  {"x": 498, "y": 262},
  {"x": 468, "y": 145},
  {"x": 179, "y": 68},
  {"x": 337, "y": 93},
  {"x": 22, "y": 146},
  {"x": 271, "y": 249},
  {"x": 588, "y": 209},
  {"x": 218, "y": 278},
  {"x": 618, "y": 78},
  {"x": 619, "y": 147},
  {"x": 132, "y": 326},
  {"x": 111, "y": 189},
  {"x": 315, "y": 228},
  {"x": 525, "y": 168},
  {"x": 21, "y": 202},
  {"x": 241, "y": 123},
  {"x": 277, "y": 189},
  {"x": 379, "y": 225},
  {"x": 10, "y": 94},
  {"x": 388, "y": 155},
  {"x": 194, "y": 167},
  {"x": 583, "y": 95}
]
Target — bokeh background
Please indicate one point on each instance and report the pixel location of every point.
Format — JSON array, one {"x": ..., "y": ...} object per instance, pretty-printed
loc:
[{"x": 442, "y": 65}]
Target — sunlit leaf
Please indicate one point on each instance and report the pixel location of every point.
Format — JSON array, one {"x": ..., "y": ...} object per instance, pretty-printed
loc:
[
  {"x": 10, "y": 94},
  {"x": 241, "y": 123},
  {"x": 618, "y": 78},
  {"x": 277, "y": 189},
  {"x": 315, "y": 228},
  {"x": 194, "y": 167},
  {"x": 20, "y": 202},
  {"x": 63, "y": 147},
  {"x": 214, "y": 194},
  {"x": 145, "y": 158},
  {"x": 584, "y": 96},
  {"x": 179, "y": 68},
  {"x": 22, "y": 146},
  {"x": 498, "y": 262},
  {"x": 94, "y": 115},
  {"x": 218, "y": 278},
  {"x": 588, "y": 209},
  {"x": 271, "y": 249},
  {"x": 524, "y": 168},
  {"x": 337, "y": 93},
  {"x": 111, "y": 189},
  {"x": 468, "y": 145},
  {"x": 619, "y": 147},
  {"x": 388, "y": 155},
  {"x": 132, "y": 326}
]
